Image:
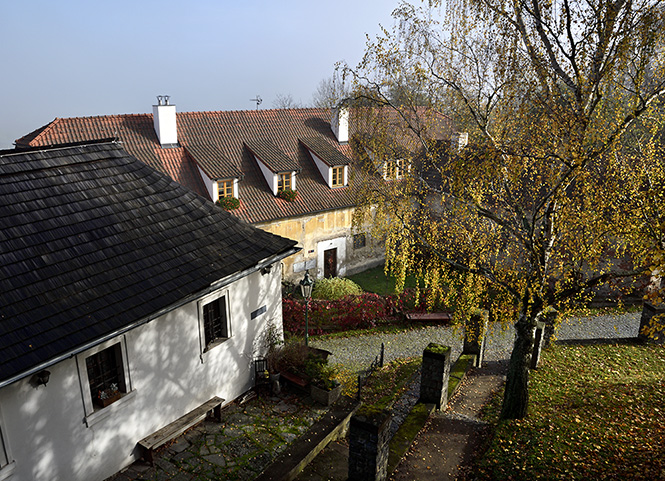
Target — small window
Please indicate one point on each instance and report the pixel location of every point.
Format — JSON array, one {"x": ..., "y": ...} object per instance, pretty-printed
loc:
[
  {"x": 284, "y": 181},
  {"x": 393, "y": 169},
  {"x": 224, "y": 188},
  {"x": 106, "y": 376},
  {"x": 338, "y": 176},
  {"x": 215, "y": 325},
  {"x": 358, "y": 241}
]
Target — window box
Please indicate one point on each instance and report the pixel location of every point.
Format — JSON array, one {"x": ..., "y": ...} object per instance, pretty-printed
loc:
[{"x": 108, "y": 399}]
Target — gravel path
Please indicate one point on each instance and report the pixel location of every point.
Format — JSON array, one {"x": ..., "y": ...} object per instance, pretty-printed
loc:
[{"x": 356, "y": 353}]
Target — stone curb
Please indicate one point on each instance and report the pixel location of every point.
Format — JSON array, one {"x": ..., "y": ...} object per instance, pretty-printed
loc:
[{"x": 302, "y": 451}]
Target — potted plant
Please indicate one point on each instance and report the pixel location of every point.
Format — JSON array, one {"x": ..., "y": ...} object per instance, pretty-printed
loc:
[
  {"x": 228, "y": 203},
  {"x": 288, "y": 195},
  {"x": 324, "y": 388},
  {"x": 108, "y": 396},
  {"x": 273, "y": 347}
]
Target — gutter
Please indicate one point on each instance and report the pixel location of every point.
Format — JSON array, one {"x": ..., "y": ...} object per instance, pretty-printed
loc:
[{"x": 186, "y": 300}]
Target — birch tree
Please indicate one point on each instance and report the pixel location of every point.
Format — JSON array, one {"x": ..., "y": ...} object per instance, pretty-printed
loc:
[{"x": 560, "y": 189}]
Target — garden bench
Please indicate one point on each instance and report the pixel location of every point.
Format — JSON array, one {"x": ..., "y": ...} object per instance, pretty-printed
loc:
[
  {"x": 429, "y": 316},
  {"x": 301, "y": 381},
  {"x": 179, "y": 426}
]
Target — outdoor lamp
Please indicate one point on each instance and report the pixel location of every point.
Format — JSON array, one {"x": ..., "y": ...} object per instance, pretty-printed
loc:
[
  {"x": 306, "y": 289},
  {"x": 42, "y": 377}
]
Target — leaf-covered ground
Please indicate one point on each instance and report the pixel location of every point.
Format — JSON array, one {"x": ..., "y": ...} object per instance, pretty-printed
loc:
[{"x": 596, "y": 412}]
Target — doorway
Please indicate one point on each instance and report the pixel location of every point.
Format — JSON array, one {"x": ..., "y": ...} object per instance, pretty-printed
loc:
[{"x": 330, "y": 262}]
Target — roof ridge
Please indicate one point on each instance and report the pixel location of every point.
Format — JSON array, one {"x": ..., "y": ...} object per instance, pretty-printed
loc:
[{"x": 248, "y": 110}]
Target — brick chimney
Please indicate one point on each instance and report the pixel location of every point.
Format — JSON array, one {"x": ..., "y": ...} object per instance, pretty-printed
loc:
[
  {"x": 340, "y": 123},
  {"x": 163, "y": 115}
]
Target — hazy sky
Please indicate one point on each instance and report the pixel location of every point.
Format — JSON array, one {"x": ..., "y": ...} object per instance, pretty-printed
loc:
[{"x": 71, "y": 58}]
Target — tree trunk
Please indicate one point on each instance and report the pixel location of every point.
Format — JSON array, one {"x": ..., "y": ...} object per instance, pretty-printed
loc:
[{"x": 516, "y": 397}]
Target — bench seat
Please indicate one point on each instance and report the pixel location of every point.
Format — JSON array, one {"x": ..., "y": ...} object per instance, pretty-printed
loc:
[
  {"x": 179, "y": 426},
  {"x": 429, "y": 316}
]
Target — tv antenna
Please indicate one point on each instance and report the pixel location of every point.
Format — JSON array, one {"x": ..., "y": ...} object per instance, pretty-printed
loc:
[{"x": 258, "y": 101}]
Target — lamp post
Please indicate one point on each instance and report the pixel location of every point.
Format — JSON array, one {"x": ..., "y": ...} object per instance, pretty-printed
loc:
[{"x": 306, "y": 290}]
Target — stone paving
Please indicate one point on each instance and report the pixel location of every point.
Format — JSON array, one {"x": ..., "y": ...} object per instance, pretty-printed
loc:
[{"x": 248, "y": 439}]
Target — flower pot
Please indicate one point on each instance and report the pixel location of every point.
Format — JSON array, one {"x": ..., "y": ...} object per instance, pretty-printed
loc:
[
  {"x": 325, "y": 397},
  {"x": 109, "y": 400}
]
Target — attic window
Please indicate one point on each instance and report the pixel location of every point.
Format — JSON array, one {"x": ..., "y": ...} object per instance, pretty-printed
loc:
[
  {"x": 283, "y": 181},
  {"x": 338, "y": 176},
  {"x": 225, "y": 188},
  {"x": 393, "y": 169}
]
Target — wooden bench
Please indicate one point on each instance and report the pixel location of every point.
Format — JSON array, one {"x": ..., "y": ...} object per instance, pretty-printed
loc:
[
  {"x": 301, "y": 381},
  {"x": 429, "y": 316},
  {"x": 179, "y": 426}
]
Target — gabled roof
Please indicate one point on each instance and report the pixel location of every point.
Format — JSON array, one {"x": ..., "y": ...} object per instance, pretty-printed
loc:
[
  {"x": 325, "y": 151},
  {"x": 94, "y": 241},
  {"x": 217, "y": 143},
  {"x": 271, "y": 156}
]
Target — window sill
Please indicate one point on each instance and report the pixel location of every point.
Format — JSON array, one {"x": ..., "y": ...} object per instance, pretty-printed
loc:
[
  {"x": 7, "y": 471},
  {"x": 103, "y": 413}
]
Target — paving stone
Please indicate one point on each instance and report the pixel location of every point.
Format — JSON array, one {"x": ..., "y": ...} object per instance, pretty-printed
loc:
[
  {"x": 283, "y": 407},
  {"x": 217, "y": 459},
  {"x": 240, "y": 447},
  {"x": 238, "y": 419},
  {"x": 179, "y": 446}
]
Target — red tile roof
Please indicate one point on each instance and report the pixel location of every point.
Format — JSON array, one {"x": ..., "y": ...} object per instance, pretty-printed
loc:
[{"x": 217, "y": 143}]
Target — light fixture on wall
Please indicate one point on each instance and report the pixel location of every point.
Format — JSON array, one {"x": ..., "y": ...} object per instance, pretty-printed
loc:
[
  {"x": 266, "y": 270},
  {"x": 42, "y": 378}
]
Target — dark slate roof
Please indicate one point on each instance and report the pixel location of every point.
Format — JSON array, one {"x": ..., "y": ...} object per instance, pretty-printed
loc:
[
  {"x": 216, "y": 141},
  {"x": 93, "y": 240},
  {"x": 325, "y": 151}
]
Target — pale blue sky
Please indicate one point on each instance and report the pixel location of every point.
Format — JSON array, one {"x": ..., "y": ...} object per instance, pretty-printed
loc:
[{"x": 70, "y": 58}]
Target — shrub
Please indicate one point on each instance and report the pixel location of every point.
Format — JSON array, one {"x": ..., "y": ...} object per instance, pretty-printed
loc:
[
  {"x": 228, "y": 203},
  {"x": 335, "y": 288},
  {"x": 287, "y": 194},
  {"x": 350, "y": 312}
]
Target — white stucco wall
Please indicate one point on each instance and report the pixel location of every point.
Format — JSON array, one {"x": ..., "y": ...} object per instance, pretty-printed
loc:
[{"x": 51, "y": 437}]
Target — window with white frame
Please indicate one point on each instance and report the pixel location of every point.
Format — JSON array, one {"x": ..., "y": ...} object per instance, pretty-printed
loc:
[
  {"x": 106, "y": 377},
  {"x": 214, "y": 314}
]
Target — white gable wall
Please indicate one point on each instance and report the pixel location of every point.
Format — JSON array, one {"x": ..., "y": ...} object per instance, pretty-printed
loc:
[{"x": 46, "y": 428}]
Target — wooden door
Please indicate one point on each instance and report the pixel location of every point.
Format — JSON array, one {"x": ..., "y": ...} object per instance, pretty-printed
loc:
[{"x": 330, "y": 263}]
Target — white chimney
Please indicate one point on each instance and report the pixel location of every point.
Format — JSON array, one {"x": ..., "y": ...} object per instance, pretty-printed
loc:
[
  {"x": 340, "y": 123},
  {"x": 163, "y": 116}
]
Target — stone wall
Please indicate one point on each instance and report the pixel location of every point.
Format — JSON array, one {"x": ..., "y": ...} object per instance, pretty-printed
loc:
[
  {"x": 369, "y": 445},
  {"x": 435, "y": 375}
]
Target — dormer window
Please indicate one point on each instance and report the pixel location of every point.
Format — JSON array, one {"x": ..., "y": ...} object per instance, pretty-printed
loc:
[
  {"x": 284, "y": 181},
  {"x": 337, "y": 176},
  {"x": 278, "y": 168},
  {"x": 332, "y": 164},
  {"x": 225, "y": 188},
  {"x": 393, "y": 169}
]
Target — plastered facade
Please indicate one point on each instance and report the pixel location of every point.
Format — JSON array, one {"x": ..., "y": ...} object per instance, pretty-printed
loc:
[
  {"x": 54, "y": 433},
  {"x": 319, "y": 232}
]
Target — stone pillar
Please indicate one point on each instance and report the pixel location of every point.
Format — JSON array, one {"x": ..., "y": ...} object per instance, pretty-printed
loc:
[
  {"x": 434, "y": 375},
  {"x": 369, "y": 445},
  {"x": 549, "y": 316},
  {"x": 538, "y": 338},
  {"x": 652, "y": 330},
  {"x": 475, "y": 335}
]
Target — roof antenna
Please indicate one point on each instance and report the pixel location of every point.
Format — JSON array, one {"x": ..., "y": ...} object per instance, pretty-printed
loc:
[{"x": 258, "y": 101}]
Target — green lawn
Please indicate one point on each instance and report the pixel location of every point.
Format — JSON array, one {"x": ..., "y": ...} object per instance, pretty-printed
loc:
[
  {"x": 595, "y": 412},
  {"x": 374, "y": 280}
]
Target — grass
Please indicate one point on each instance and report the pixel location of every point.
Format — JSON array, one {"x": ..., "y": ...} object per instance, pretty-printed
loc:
[
  {"x": 389, "y": 382},
  {"x": 375, "y": 280},
  {"x": 596, "y": 412}
]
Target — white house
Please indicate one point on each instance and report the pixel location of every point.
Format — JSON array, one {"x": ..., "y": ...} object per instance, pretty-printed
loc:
[{"x": 126, "y": 301}]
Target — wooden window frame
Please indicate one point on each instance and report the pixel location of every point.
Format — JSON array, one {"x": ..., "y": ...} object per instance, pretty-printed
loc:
[
  {"x": 225, "y": 188},
  {"x": 284, "y": 181},
  {"x": 337, "y": 176}
]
